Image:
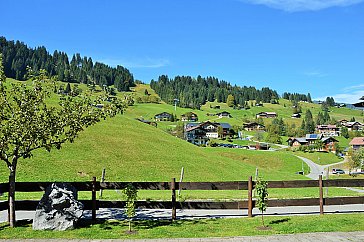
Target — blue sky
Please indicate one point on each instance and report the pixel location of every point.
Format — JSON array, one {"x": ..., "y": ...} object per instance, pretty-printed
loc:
[{"x": 295, "y": 46}]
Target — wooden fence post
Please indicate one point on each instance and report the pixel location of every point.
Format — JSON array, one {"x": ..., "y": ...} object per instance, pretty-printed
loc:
[
  {"x": 321, "y": 195},
  {"x": 94, "y": 207},
  {"x": 250, "y": 197},
  {"x": 173, "y": 188},
  {"x": 8, "y": 204},
  {"x": 102, "y": 180},
  {"x": 180, "y": 180}
]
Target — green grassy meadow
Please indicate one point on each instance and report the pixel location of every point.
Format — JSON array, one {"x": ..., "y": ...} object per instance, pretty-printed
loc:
[
  {"x": 134, "y": 151},
  {"x": 321, "y": 158},
  {"x": 200, "y": 228}
]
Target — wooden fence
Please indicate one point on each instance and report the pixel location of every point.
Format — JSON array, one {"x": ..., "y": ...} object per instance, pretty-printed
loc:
[{"x": 94, "y": 186}]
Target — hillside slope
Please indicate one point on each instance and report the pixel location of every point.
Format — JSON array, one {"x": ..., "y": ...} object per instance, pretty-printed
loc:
[
  {"x": 133, "y": 151},
  {"x": 283, "y": 109}
]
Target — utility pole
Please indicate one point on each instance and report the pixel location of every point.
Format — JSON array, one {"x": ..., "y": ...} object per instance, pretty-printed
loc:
[{"x": 175, "y": 103}]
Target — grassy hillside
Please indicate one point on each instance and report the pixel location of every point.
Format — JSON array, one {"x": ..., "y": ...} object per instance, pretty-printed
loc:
[{"x": 131, "y": 150}]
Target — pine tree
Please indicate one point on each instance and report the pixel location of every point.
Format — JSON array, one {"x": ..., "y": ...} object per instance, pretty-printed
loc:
[
  {"x": 68, "y": 88},
  {"x": 345, "y": 132},
  {"x": 326, "y": 117},
  {"x": 309, "y": 123},
  {"x": 320, "y": 119}
]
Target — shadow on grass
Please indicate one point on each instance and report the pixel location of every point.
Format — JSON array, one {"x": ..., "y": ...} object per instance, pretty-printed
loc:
[
  {"x": 19, "y": 223},
  {"x": 3, "y": 226},
  {"x": 138, "y": 224},
  {"x": 24, "y": 223},
  {"x": 149, "y": 224},
  {"x": 279, "y": 221}
]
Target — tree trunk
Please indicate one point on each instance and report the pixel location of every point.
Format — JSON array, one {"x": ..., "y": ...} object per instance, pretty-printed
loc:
[
  {"x": 263, "y": 220},
  {"x": 11, "y": 218}
]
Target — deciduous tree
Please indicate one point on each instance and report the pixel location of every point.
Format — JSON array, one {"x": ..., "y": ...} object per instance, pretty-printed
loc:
[
  {"x": 261, "y": 188},
  {"x": 28, "y": 123},
  {"x": 131, "y": 197},
  {"x": 230, "y": 100},
  {"x": 358, "y": 158}
]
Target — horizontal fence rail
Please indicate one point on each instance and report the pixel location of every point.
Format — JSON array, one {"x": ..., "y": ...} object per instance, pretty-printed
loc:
[
  {"x": 28, "y": 205},
  {"x": 249, "y": 203},
  {"x": 137, "y": 185},
  {"x": 235, "y": 185}
]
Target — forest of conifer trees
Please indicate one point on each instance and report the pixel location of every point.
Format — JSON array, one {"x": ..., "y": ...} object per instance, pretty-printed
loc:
[
  {"x": 17, "y": 56},
  {"x": 194, "y": 92}
]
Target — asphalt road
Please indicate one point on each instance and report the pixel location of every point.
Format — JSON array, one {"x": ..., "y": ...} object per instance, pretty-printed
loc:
[{"x": 316, "y": 169}]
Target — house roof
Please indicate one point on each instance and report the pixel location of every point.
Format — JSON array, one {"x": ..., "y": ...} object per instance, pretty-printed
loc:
[
  {"x": 299, "y": 140},
  {"x": 357, "y": 141},
  {"x": 143, "y": 120},
  {"x": 267, "y": 113},
  {"x": 359, "y": 104},
  {"x": 191, "y": 113},
  {"x": 327, "y": 126},
  {"x": 252, "y": 124},
  {"x": 223, "y": 112},
  {"x": 199, "y": 125},
  {"x": 350, "y": 124},
  {"x": 313, "y": 136},
  {"x": 190, "y": 125},
  {"x": 193, "y": 126},
  {"x": 225, "y": 125},
  {"x": 324, "y": 139},
  {"x": 164, "y": 114}
]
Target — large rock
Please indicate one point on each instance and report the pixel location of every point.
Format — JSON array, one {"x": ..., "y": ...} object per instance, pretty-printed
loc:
[{"x": 58, "y": 209}]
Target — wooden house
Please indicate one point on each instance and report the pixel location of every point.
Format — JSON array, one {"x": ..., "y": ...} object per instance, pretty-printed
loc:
[
  {"x": 163, "y": 116},
  {"x": 312, "y": 139},
  {"x": 224, "y": 114},
  {"x": 354, "y": 126},
  {"x": 296, "y": 115},
  {"x": 189, "y": 117},
  {"x": 328, "y": 130},
  {"x": 357, "y": 143},
  {"x": 200, "y": 133},
  {"x": 253, "y": 126},
  {"x": 266, "y": 115}
]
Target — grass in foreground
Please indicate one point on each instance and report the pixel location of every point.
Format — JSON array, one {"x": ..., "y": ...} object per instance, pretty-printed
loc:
[{"x": 113, "y": 229}]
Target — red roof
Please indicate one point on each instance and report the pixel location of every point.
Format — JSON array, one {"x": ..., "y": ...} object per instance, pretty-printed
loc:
[{"x": 357, "y": 141}]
